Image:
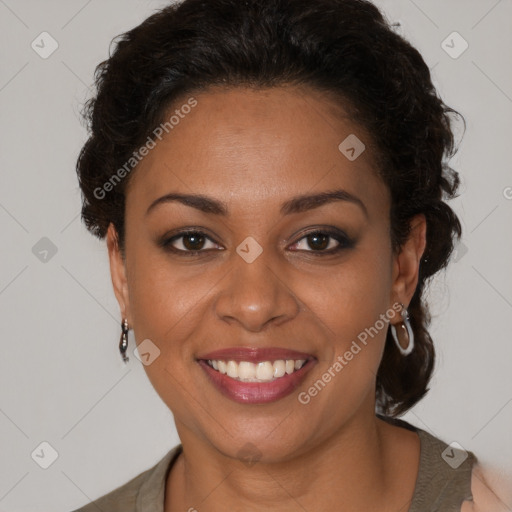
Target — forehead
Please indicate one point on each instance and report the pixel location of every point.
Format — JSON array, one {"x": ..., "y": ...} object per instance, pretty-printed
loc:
[{"x": 248, "y": 146}]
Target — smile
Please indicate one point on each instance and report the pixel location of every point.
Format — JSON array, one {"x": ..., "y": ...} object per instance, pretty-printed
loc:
[
  {"x": 264, "y": 371},
  {"x": 256, "y": 375}
]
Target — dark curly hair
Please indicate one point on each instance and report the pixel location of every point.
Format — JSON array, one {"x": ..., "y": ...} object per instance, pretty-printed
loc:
[{"x": 342, "y": 47}]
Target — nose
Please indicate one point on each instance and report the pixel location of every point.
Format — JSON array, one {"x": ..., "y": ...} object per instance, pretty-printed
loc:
[{"x": 256, "y": 294}]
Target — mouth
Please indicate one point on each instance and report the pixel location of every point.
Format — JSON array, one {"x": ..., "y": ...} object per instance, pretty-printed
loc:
[
  {"x": 263, "y": 371},
  {"x": 256, "y": 376}
]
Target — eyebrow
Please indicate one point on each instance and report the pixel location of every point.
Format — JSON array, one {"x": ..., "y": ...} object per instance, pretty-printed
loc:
[{"x": 297, "y": 204}]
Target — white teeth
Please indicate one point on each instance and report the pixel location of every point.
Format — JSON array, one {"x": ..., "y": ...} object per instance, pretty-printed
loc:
[
  {"x": 263, "y": 371},
  {"x": 222, "y": 366},
  {"x": 232, "y": 370},
  {"x": 246, "y": 370},
  {"x": 279, "y": 368}
]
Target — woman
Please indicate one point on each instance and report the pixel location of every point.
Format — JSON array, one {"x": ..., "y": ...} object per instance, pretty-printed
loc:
[{"x": 270, "y": 177}]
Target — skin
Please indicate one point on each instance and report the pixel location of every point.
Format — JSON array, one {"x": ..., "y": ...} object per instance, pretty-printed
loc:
[
  {"x": 491, "y": 491},
  {"x": 254, "y": 150}
]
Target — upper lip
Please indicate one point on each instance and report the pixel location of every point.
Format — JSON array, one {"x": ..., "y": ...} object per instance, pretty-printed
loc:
[{"x": 254, "y": 354}]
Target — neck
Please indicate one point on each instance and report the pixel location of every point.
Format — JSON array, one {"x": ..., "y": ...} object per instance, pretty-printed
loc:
[{"x": 353, "y": 469}]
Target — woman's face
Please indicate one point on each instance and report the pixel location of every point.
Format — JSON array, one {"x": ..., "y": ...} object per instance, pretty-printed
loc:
[{"x": 259, "y": 281}]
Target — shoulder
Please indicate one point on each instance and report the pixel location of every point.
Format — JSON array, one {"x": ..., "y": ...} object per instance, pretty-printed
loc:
[
  {"x": 134, "y": 495},
  {"x": 121, "y": 499},
  {"x": 488, "y": 496},
  {"x": 444, "y": 474}
]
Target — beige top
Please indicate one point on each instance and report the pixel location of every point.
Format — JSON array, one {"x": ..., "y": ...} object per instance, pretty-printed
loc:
[{"x": 443, "y": 482}]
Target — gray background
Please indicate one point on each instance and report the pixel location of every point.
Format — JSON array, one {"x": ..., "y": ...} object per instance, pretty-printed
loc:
[{"x": 62, "y": 380}]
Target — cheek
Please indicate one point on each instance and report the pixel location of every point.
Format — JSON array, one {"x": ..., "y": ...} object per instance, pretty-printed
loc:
[
  {"x": 353, "y": 301},
  {"x": 165, "y": 301},
  {"x": 352, "y": 296},
  {"x": 167, "y": 308},
  {"x": 354, "y": 304}
]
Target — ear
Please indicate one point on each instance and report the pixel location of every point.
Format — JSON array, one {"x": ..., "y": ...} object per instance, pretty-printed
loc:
[
  {"x": 406, "y": 263},
  {"x": 118, "y": 272}
]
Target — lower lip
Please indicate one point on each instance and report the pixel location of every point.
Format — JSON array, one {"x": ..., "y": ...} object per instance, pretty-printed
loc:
[{"x": 256, "y": 392}]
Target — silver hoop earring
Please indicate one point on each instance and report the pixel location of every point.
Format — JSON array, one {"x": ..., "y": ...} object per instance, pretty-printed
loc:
[
  {"x": 403, "y": 334},
  {"x": 123, "y": 342}
]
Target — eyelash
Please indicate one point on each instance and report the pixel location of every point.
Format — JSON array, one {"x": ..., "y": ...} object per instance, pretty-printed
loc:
[{"x": 343, "y": 240}]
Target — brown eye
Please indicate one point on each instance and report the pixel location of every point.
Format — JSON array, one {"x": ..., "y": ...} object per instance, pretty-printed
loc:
[
  {"x": 325, "y": 241},
  {"x": 189, "y": 242},
  {"x": 318, "y": 241},
  {"x": 193, "y": 241}
]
